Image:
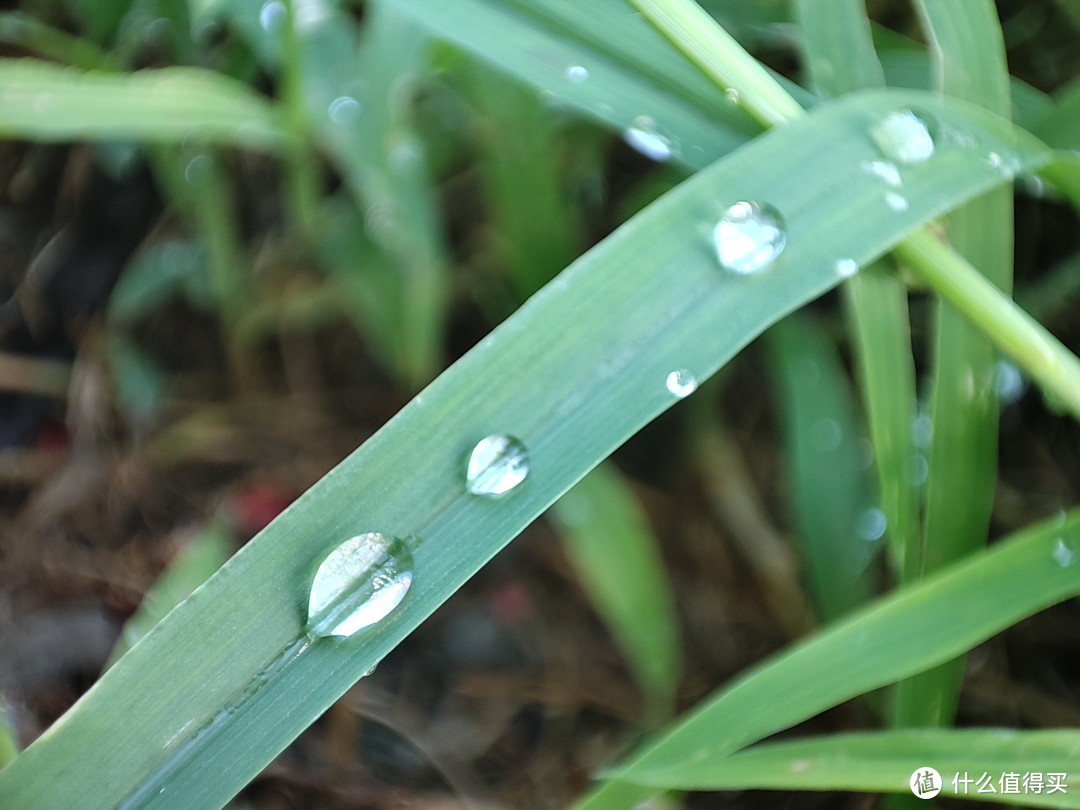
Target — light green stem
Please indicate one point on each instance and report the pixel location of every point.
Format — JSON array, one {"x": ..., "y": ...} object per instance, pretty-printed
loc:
[{"x": 1038, "y": 352}]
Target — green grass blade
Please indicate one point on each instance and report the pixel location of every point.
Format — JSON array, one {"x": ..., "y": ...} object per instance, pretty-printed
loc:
[
  {"x": 829, "y": 492},
  {"x": 610, "y": 544},
  {"x": 893, "y": 638},
  {"x": 30, "y": 34},
  {"x": 883, "y": 762},
  {"x": 201, "y": 557},
  {"x": 875, "y": 301},
  {"x": 838, "y": 48},
  {"x": 9, "y": 745},
  {"x": 632, "y": 71},
  {"x": 970, "y": 61},
  {"x": 533, "y": 221},
  {"x": 1061, "y": 127},
  {"x": 47, "y": 102},
  {"x": 599, "y": 343}
]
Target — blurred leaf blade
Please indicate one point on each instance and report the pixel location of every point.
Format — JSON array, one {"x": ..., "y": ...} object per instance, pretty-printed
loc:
[
  {"x": 48, "y": 102},
  {"x": 610, "y": 544},
  {"x": 202, "y": 556},
  {"x": 826, "y": 476},
  {"x": 599, "y": 343},
  {"x": 893, "y": 638},
  {"x": 883, "y": 762}
]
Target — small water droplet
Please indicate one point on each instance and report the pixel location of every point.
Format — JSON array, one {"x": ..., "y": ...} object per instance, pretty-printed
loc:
[
  {"x": 995, "y": 161},
  {"x": 897, "y": 202},
  {"x": 889, "y": 172},
  {"x": 904, "y": 137},
  {"x": 497, "y": 465},
  {"x": 1009, "y": 382},
  {"x": 732, "y": 95},
  {"x": 920, "y": 470},
  {"x": 749, "y": 237},
  {"x": 576, "y": 74},
  {"x": 846, "y": 268},
  {"x": 644, "y": 136},
  {"x": 681, "y": 383},
  {"x": 344, "y": 111},
  {"x": 1064, "y": 554},
  {"x": 871, "y": 525},
  {"x": 272, "y": 16},
  {"x": 359, "y": 584}
]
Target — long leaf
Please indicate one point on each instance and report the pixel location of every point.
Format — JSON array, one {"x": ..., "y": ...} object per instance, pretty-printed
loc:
[
  {"x": 904, "y": 633},
  {"x": 572, "y": 374},
  {"x": 885, "y": 761},
  {"x": 48, "y": 102}
]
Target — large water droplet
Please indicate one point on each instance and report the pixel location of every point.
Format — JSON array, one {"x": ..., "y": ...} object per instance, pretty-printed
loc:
[
  {"x": 576, "y": 74},
  {"x": 904, "y": 137},
  {"x": 1009, "y": 382},
  {"x": 644, "y": 136},
  {"x": 272, "y": 16},
  {"x": 497, "y": 465},
  {"x": 359, "y": 584},
  {"x": 681, "y": 383},
  {"x": 344, "y": 111},
  {"x": 871, "y": 524},
  {"x": 749, "y": 237},
  {"x": 732, "y": 95}
]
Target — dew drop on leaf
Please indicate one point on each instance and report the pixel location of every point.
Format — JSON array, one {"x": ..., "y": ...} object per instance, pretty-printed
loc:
[
  {"x": 576, "y": 74},
  {"x": 344, "y": 111},
  {"x": 359, "y": 584},
  {"x": 904, "y": 137},
  {"x": 647, "y": 139},
  {"x": 749, "y": 237},
  {"x": 681, "y": 383},
  {"x": 497, "y": 465}
]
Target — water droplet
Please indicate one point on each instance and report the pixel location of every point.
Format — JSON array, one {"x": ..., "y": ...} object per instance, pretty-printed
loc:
[
  {"x": 732, "y": 95},
  {"x": 497, "y": 465},
  {"x": 1009, "y": 383},
  {"x": 920, "y": 470},
  {"x": 681, "y": 383},
  {"x": 897, "y": 202},
  {"x": 359, "y": 584},
  {"x": 576, "y": 74},
  {"x": 1033, "y": 186},
  {"x": 904, "y": 137},
  {"x": 889, "y": 172},
  {"x": 344, "y": 111},
  {"x": 871, "y": 525},
  {"x": 1064, "y": 554},
  {"x": 995, "y": 161},
  {"x": 846, "y": 268},
  {"x": 749, "y": 237},
  {"x": 644, "y": 136},
  {"x": 272, "y": 16}
]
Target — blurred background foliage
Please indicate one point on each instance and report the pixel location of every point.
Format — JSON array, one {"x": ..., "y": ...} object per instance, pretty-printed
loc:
[{"x": 192, "y": 333}]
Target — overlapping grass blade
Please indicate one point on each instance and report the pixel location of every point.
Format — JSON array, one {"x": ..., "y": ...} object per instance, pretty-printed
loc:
[
  {"x": 883, "y": 762},
  {"x": 875, "y": 301},
  {"x": 48, "y": 102},
  {"x": 598, "y": 343},
  {"x": 631, "y": 71},
  {"x": 32, "y": 35},
  {"x": 891, "y": 639},
  {"x": 829, "y": 490},
  {"x": 610, "y": 544},
  {"x": 970, "y": 60}
]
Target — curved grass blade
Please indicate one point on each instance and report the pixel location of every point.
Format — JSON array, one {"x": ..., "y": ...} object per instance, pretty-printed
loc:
[
  {"x": 30, "y": 34},
  {"x": 613, "y": 549},
  {"x": 883, "y": 762},
  {"x": 599, "y": 343},
  {"x": 891, "y": 639},
  {"x": 47, "y": 102}
]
